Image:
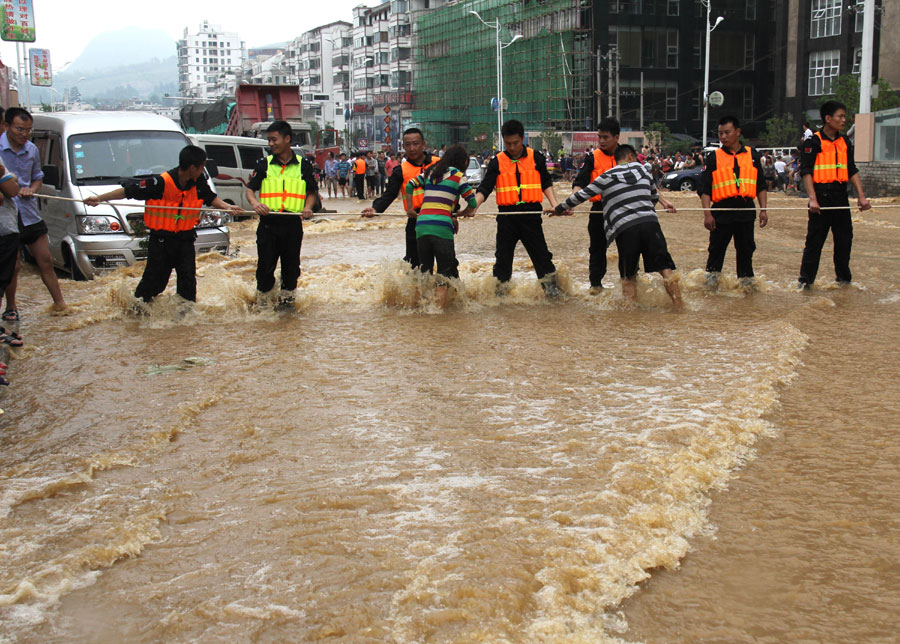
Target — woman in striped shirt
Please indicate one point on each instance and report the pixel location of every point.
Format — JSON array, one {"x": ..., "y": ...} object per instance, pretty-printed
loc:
[{"x": 444, "y": 185}]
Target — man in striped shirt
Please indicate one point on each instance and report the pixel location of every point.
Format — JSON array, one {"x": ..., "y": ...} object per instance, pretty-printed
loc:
[{"x": 630, "y": 219}]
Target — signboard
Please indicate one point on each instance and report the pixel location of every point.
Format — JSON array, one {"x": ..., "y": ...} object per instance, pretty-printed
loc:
[
  {"x": 387, "y": 109},
  {"x": 582, "y": 140},
  {"x": 18, "y": 21},
  {"x": 362, "y": 143},
  {"x": 717, "y": 99},
  {"x": 39, "y": 67}
]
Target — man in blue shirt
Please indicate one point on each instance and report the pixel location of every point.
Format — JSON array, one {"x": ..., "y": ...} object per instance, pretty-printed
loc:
[
  {"x": 331, "y": 175},
  {"x": 21, "y": 157}
]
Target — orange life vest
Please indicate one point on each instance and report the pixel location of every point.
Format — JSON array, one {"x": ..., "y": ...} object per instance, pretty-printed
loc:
[
  {"x": 411, "y": 171},
  {"x": 524, "y": 188},
  {"x": 169, "y": 218},
  {"x": 602, "y": 163},
  {"x": 725, "y": 185},
  {"x": 359, "y": 166},
  {"x": 831, "y": 162}
]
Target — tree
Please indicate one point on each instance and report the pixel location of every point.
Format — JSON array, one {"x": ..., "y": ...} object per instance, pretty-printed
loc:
[
  {"x": 780, "y": 131},
  {"x": 660, "y": 137},
  {"x": 314, "y": 130},
  {"x": 46, "y": 107},
  {"x": 845, "y": 88},
  {"x": 552, "y": 141}
]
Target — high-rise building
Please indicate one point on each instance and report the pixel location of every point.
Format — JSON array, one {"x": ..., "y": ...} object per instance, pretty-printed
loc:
[
  {"x": 576, "y": 61},
  {"x": 382, "y": 69},
  {"x": 205, "y": 57},
  {"x": 319, "y": 62}
]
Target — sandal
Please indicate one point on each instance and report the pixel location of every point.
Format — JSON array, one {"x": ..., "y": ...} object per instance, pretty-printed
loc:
[
  {"x": 4, "y": 381},
  {"x": 10, "y": 315},
  {"x": 11, "y": 338}
]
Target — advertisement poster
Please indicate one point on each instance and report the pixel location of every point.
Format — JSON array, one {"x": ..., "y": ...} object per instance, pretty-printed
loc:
[
  {"x": 39, "y": 67},
  {"x": 18, "y": 21}
]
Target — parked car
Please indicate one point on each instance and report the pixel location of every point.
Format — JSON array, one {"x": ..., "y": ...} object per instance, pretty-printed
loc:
[
  {"x": 474, "y": 173},
  {"x": 89, "y": 153},
  {"x": 235, "y": 158},
  {"x": 684, "y": 180}
]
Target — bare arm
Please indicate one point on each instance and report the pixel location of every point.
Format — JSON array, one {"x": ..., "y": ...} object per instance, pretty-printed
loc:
[
  {"x": 709, "y": 222},
  {"x": 811, "y": 191},
  {"x": 35, "y": 186},
  {"x": 763, "y": 197},
  {"x": 112, "y": 195},
  {"x": 862, "y": 201}
]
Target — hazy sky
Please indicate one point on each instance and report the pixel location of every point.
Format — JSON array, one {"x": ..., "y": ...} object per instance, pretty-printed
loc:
[{"x": 65, "y": 26}]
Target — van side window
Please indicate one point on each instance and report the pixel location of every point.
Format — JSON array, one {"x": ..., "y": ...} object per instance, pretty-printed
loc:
[
  {"x": 42, "y": 141},
  {"x": 223, "y": 155},
  {"x": 250, "y": 155}
]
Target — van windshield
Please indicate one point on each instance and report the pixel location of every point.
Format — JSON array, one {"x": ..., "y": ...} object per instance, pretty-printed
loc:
[{"x": 109, "y": 157}]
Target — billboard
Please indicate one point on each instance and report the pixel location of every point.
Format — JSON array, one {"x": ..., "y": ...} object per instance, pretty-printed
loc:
[
  {"x": 39, "y": 67},
  {"x": 18, "y": 21}
]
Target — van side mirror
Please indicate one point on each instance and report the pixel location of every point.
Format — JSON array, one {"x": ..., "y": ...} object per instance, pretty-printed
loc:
[
  {"x": 51, "y": 175},
  {"x": 212, "y": 168}
]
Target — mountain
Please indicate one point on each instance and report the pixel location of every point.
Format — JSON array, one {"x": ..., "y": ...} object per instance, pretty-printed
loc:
[{"x": 128, "y": 46}]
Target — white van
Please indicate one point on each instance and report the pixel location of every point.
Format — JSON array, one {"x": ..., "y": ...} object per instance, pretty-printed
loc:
[
  {"x": 236, "y": 158},
  {"x": 89, "y": 153}
]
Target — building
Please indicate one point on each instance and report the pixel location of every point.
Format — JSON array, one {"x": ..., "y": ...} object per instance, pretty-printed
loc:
[
  {"x": 205, "y": 58},
  {"x": 579, "y": 60},
  {"x": 382, "y": 70},
  {"x": 319, "y": 62}
]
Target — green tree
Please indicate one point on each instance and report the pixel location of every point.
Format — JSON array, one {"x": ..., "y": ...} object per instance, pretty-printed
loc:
[
  {"x": 46, "y": 107},
  {"x": 660, "y": 137},
  {"x": 552, "y": 141},
  {"x": 314, "y": 130},
  {"x": 845, "y": 88},
  {"x": 781, "y": 130}
]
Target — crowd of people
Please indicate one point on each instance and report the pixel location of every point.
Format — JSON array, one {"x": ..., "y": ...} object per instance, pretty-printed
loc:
[{"x": 621, "y": 182}]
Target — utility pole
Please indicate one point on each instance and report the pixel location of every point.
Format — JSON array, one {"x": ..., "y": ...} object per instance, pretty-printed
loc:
[
  {"x": 610, "y": 86},
  {"x": 642, "y": 102},
  {"x": 599, "y": 93},
  {"x": 615, "y": 54},
  {"x": 865, "y": 66}
]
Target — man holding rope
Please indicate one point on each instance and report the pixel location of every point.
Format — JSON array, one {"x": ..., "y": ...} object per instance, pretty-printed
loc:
[
  {"x": 287, "y": 187},
  {"x": 416, "y": 162},
  {"x": 174, "y": 199},
  {"x": 826, "y": 166}
]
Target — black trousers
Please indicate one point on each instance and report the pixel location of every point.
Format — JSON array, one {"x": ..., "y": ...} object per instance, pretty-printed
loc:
[
  {"x": 744, "y": 245},
  {"x": 412, "y": 248},
  {"x": 597, "y": 249},
  {"x": 165, "y": 251},
  {"x": 841, "y": 226},
  {"x": 359, "y": 182},
  {"x": 529, "y": 229},
  {"x": 278, "y": 238},
  {"x": 9, "y": 250}
]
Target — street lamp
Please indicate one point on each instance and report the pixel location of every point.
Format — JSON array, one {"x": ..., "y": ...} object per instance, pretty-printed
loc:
[
  {"x": 709, "y": 30},
  {"x": 495, "y": 25}
]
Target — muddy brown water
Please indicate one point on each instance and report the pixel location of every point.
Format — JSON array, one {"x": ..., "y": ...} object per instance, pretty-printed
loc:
[{"x": 368, "y": 469}]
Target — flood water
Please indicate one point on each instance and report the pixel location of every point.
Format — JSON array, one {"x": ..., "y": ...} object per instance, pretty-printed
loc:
[{"x": 367, "y": 469}]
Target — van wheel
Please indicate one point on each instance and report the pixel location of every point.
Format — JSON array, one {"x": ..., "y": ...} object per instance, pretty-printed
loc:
[{"x": 72, "y": 267}]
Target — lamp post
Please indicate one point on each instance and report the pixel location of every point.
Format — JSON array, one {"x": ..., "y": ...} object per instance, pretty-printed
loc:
[
  {"x": 709, "y": 30},
  {"x": 495, "y": 25}
]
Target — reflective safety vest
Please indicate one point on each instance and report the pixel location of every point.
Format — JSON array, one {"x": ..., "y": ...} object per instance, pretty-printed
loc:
[
  {"x": 283, "y": 189},
  {"x": 173, "y": 197},
  {"x": 831, "y": 162},
  {"x": 602, "y": 163},
  {"x": 359, "y": 166},
  {"x": 524, "y": 188},
  {"x": 725, "y": 185},
  {"x": 411, "y": 171}
]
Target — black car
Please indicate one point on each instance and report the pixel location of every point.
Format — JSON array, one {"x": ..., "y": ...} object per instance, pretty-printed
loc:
[{"x": 685, "y": 180}]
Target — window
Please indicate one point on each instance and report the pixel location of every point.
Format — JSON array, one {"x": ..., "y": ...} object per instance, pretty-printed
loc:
[
  {"x": 824, "y": 66},
  {"x": 398, "y": 31},
  {"x": 858, "y": 16},
  {"x": 399, "y": 6},
  {"x": 673, "y": 8},
  {"x": 340, "y": 61},
  {"x": 381, "y": 57},
  {"x": 400, "y": 53},
  {"x": 341, "y": 79},
  {"x": 825, "y": 18},
  {"x": 747, "y": 103},
  {"x": 857, "y": 59},
  {"x": 223, "y": 155},
  {"x": 750, "y": 10},
  {"x": 749, "y": 50},
  {"x": 250, "y": 155}
]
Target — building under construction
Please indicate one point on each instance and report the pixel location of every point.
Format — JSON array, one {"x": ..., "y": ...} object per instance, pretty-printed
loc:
[{"x": 580, "y": 60}]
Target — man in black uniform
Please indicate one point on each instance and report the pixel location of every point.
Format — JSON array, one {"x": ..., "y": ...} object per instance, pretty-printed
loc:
[
  {"x": 416, "y": 162},
  {"x": 731, "y": 179},
  {"x": 522, "y": 181},
  {"x": 286, "y": 184},
  {"x": 595, "y": 164},
  {"x": 826, "y": 166}
]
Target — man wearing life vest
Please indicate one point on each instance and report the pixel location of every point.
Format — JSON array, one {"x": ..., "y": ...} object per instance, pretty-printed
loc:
[
  {"x": 520, "y": 176},
  {"x": 416, "y": 161},
  {"x": 595, "y": 164},
  {"x": 827, "y": 167},
  {"x": 731, "y": 179},
  {"x": 359, "y": 175},
  {"x": 287, "y": 188},
  {"x": 173, "y": 201}
]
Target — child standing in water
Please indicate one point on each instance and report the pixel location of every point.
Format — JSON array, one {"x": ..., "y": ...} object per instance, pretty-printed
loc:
[{"x": 444, "y": 185}]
